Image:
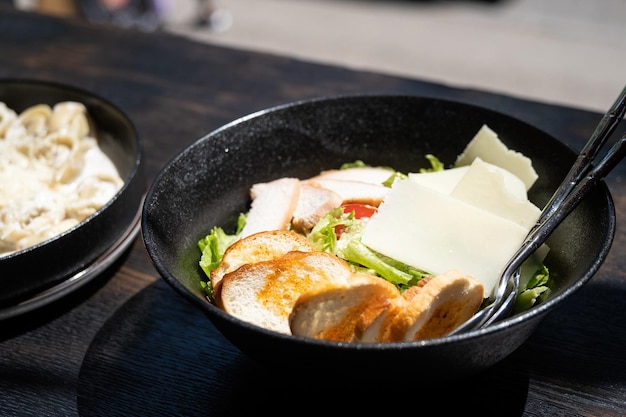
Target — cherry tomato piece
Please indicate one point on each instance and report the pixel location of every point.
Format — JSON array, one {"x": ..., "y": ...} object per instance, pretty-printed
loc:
[
  {"x": 360, "y": 210},
  {"x": 339, "y": 230}
]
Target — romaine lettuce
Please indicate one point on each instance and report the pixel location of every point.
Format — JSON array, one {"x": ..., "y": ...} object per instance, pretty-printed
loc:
[
  {"x": 537, "y": 289},
  {"x": 215, "y": 244},
  {"x": 349, "y": 247}
]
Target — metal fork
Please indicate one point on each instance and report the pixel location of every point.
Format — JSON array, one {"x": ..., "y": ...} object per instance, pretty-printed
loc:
[{"x": 581, "y": 179}]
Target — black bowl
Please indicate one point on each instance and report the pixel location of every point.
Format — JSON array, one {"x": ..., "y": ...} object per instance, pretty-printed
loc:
[
  {"x": 207, "y": 184},
  {"x": 29, "y": 272}
]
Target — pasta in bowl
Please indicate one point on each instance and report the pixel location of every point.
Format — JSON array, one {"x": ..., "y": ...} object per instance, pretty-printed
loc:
[
  {"x": 53, "y": 172},
  {"x": 70, "y": 165}
]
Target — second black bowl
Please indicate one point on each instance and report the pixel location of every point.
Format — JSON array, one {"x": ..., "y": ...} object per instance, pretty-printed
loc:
[{"x": 30, "y": 271}]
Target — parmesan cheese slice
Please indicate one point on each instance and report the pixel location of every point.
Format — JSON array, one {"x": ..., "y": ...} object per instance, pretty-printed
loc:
[
  {"x": 486, "y": 145},
  {"x": 441, "y": 181},
  {"x": 499, "y": 192},
  {"x": 436, "y": 232},
  {"x": 445, "y": 181}
]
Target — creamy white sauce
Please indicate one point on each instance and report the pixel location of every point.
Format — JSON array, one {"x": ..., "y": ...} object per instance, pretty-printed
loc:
[{"x": 53, "y": 174}]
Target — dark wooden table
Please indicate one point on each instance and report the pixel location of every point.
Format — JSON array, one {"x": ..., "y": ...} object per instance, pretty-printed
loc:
[{"x": 126, "y": 344}]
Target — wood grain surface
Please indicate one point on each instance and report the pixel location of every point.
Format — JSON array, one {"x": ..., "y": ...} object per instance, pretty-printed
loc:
[{"x": 127, "y": 345}]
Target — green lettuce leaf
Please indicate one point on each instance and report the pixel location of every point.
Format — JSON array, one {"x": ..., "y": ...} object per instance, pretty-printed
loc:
[
  {"x": 215, "y": 244},
  {"x": 349, "y": 247},
  {"x": 435, "y": 164},
  {"x": 537, "y": 289}
]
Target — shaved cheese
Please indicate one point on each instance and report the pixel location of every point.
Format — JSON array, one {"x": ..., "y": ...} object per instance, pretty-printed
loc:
[
  {"x": 496, "y": 190},
  {"x": 490, "y": 148},
  {"x": 441, "y": 181},
  {"x": 472, "y": 218},
  {"x": 435, "y": 232},
  {"x": 445, "y": 181}
]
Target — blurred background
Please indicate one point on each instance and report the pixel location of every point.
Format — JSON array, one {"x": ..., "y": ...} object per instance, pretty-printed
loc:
[{"x": 570, "y": 52}]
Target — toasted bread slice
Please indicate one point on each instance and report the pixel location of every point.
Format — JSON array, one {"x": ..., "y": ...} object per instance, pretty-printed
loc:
[
  {"x": 374, "y": 323},
  {"x": 261, "y": 246},
  {"x": 264, "y": 293},
  {"x": 314, "y": 202},
  {"x": 434, "y": 310},
  {"x": 273, "y": 206},
  {"x": 330, "y": 311},
  {"x": 444, "y": 303}
]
